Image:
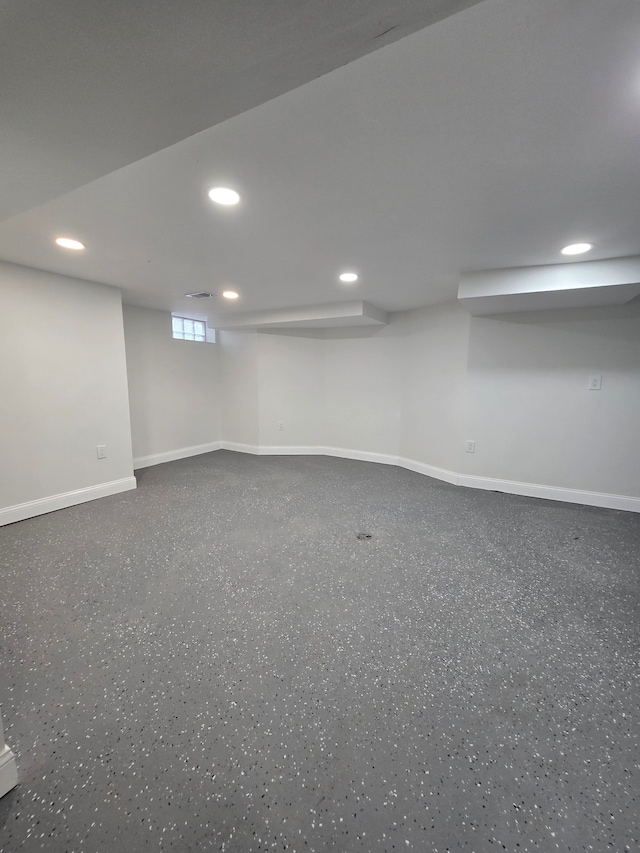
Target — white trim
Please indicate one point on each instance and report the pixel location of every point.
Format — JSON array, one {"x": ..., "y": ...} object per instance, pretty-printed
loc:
[
  {"x": 19, "y": 512},
  {"x": 360, "y": 455},
  {"x": 551, "y": 493},
  {"x": 310, "y": 450},
  {"x": 429, "y": 470},
  {"x": 277, "y": 450},
  {"x": 240, "y": 448},
  {"x": 532, "y": 490},
  {"x": 171, "y": 455},
  {"x": 8, "y": 771},
  {"x": 307, "y": 450}
]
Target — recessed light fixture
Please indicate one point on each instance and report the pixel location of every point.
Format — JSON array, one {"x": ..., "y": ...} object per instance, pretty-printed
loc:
[
  {"x": 224, "y": 195},
  {"x": 201, "y": 294},
  {"x": 68, "y": 243},
  {"x": 349, "y": 277},
  {"x": 230, "y": 294},
  {"x": 577, "y": 248}
]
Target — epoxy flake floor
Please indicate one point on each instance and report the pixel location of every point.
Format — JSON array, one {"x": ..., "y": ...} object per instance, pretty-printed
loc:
[{"x": 215, "y": 661}]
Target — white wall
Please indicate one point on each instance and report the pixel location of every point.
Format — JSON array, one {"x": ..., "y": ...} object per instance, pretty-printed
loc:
[
  {"x": 415, "y": 389},
  {"x": 63, "y": 387},
  {"x": 529, "y": 409},
  {"x": 339, "y": 391},
  {"x": 290, "y": 390},
  {"x": 174, "y": 388},
  {"x": 418, "y": 388},
  {"x": 432, "y": 375},
  {"x": 362, "y": 396},
  {"x": 239, "y": 385}
]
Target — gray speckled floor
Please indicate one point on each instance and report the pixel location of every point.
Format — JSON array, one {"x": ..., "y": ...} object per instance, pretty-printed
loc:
[{"x": 216, "y": 662}]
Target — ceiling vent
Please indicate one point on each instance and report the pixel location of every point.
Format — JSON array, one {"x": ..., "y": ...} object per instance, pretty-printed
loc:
[{"x": 202, "y": 295}]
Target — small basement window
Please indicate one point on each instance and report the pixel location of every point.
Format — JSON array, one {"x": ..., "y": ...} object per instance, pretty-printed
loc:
[{"x": 188, "y": 330}]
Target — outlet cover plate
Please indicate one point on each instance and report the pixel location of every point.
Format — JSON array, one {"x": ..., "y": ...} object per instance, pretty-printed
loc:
[{"x": 595, "y": 383}]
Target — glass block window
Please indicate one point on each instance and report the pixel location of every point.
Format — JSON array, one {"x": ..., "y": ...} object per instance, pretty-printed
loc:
[{"x": 188, "y": 330}]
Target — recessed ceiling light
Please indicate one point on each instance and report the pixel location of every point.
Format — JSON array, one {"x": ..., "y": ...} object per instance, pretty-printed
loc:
[
  {"x": 224, "y": 195},
  {"x": 349, "y": 277},
  {"x": 201, "y": 294},
  {"x": 230, "y": 294},
  {"x": 68, "y": 243},
  {"x": 577, "y": 248}
]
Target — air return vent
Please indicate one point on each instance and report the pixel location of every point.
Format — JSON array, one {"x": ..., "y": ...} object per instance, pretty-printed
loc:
[{"x": 201, "y": 295}]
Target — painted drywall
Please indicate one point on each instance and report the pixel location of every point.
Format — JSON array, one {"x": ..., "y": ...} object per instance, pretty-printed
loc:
[
  {"x": 420, "y": 387},
  {"x": 63, "y": 386},
  {"x": 413, "y": 390},
  {"x": 529, "y": 409},
  {"x": 396, "y": 390},
  {"x": 174, "y": 388},
  {"x": 432, "y": 377},
  {"x": 361, "y": 390},
  {"x": 290, "y": 390},
  {"x": 239, "y": 385}
]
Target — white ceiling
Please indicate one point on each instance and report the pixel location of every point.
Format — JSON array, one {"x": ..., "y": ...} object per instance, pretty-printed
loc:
[
  {"x": 89, "y": 86},
  {"x": 489, "y": 140}
]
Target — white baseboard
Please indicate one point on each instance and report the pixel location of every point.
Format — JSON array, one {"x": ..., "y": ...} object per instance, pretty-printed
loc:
[
  {"x": 273, "y": 449},
  {"x": 360, "y": 455},
  {"x": 8, "y": 771},
  {"x": 19, "y": 512},
  {"x": 290, "y": 450},
  {"x": 532, "y": 490},
  {"x": 310, "y": 450},
  {"x": 551, "y": 493},
  {"x": 172, "y": 455},
  {"x": 240, "y": 448},
  {"x": 429, "y": 470}
]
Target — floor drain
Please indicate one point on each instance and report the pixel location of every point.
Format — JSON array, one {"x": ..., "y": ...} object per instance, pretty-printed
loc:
[{"x": 363, "y": 535}]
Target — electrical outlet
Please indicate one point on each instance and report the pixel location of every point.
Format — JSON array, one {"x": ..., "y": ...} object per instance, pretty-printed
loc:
[
  {"x": 471, "y": 447},
  {"x": 102, "y": 451},
  {"x": 280, "y": 425},
  {"x": 595, "y": 383}
]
